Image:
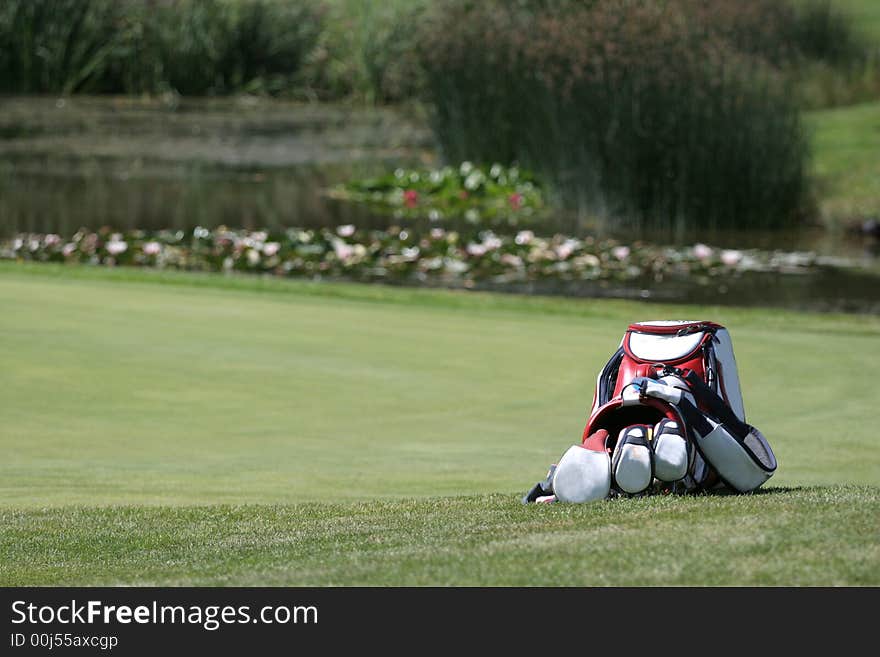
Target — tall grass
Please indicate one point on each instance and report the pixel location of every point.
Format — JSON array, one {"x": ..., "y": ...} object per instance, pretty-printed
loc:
[
  {"x": 368, "y": 50},
  {"x": 362, "y": 49},
  {"x": 839, "y": 63},
  {"x": 641, "y": 111},
  {"x": 152, "y": 46}
]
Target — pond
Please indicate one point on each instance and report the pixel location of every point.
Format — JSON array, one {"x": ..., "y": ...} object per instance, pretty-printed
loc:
[
  {"x": 92, "y": 162},
  {"x": 254, "y": 163}
]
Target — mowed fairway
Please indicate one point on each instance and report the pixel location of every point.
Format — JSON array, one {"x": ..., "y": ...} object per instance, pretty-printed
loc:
[{"x": 184, "y": 429}]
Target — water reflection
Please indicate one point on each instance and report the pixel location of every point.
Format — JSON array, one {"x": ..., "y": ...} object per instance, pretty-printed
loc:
[
  {"x": 60, "y": 197},
  {"x": 87, "y": 162}
]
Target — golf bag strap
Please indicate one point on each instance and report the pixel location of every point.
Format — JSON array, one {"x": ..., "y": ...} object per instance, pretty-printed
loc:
[{"x": 714, "y": 405}]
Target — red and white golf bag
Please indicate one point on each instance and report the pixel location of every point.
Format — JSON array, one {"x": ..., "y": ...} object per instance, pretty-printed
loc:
[{"x": 667, "y": 414}]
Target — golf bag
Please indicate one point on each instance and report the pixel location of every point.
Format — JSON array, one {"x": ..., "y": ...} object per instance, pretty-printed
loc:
[{"x": 667, "y": 414}]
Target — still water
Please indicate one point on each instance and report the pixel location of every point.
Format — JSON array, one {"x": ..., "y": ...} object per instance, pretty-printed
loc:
[{"x": 246, "y": 162}]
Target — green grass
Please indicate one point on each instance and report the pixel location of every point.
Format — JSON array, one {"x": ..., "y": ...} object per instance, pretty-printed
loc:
[
  {"x": 865, "y": 15},
  {"x": 382, "y": 436},
  {"x": 846, "y": 149},
  {"x": 800, "y": 536}
]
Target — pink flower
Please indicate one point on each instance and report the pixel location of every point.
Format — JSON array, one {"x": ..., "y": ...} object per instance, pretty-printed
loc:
[
  {"x": 491, "y": 243},
  {"x": 515, "y": 201},
  {"x": 702, "y": 252},
  {"x": 343, "y": 251},
  {"x": 52, "y": 239},
  {"x": 410, "y": 198},
  {"x": 620, "y": 252},
  {"x": 476, "y": 249},
  {"x": 437, "y": 233},
  {"x": 730, "y": 257},
  {"x": 346, "y": 230},
  {"x": 271, "y": 248},
  {"x": 68, "y": 249},
  {"x": 152, "y": 248},
  {"x": 524, "y": 237},
  {"x": 564, "y": 250}
]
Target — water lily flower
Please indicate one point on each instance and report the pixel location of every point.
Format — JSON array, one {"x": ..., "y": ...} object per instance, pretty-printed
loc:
[
  {"x": 491, "y": 242},
  {"x": 476, "y": 249},
  {"x": 51, "y": 239},
  {"x": 454, "y": 266},
  {"x": 512, "y": 260},
  {"x": 437, "y": 233},
  {"x": 343, "y": 251},
  {"x": 152, "y": 248},
  {"x": 253, "y": 257},
  {"x": 524, "y": 237},
  {"x": 68, "y": 249},
  {"x": 620, "y": 252},
  {"x": 115, "y": 247},
  {"x": 346, "y": 230},
  {"x": 702, "y": 252},
  {"x": 731, "y": 257},
  {"x": 564, "y": 250},
  {"x": 271, "y": 248},
  {"x": 587, "y": 261},
  {"x": 474, "y": 180}
]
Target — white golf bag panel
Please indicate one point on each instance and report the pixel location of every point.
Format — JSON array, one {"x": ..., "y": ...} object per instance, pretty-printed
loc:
[
  {"x": 664, "y": 347},
  {"x": 726, "y": 383}
]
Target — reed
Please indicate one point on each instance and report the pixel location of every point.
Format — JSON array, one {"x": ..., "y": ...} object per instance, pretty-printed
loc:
[
  {"x": 151, "y": 46},
  {"x": 643, "y": 113}
]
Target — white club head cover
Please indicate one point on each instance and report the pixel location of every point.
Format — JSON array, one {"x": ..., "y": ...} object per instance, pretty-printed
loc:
[
  {"x": 744, "y": 463},
  {"x": 631, "y": 461},
  {"x": 582, "y": 475},
  {"x": 672, "y": 453}
]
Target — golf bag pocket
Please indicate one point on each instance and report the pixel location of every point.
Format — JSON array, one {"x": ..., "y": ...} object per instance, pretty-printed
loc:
[
  {"x": 582, "y": 475},
  {"x": 672, "y": 453},
  {"x": 631, "y": 463},
  {"x": 744, "y": 463}
]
